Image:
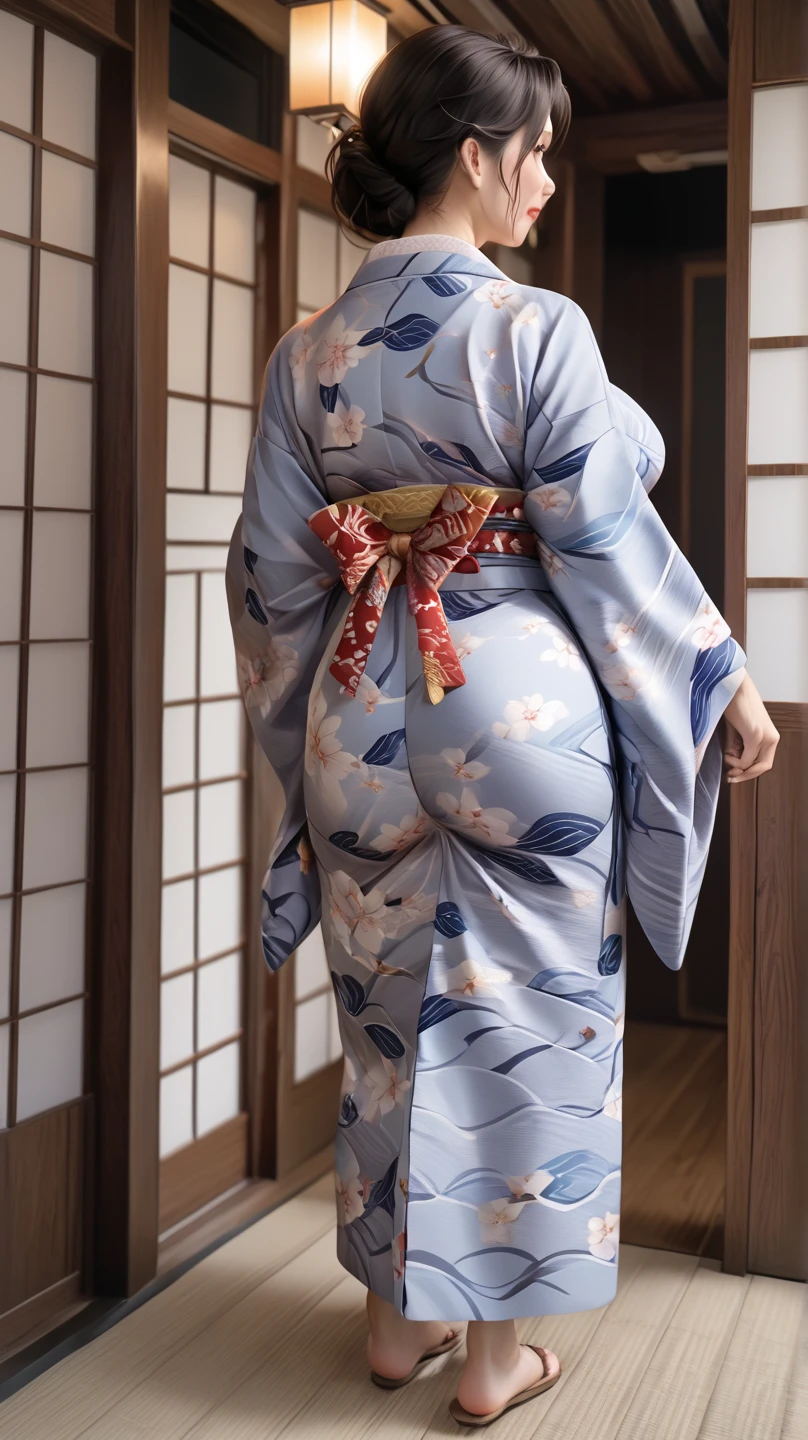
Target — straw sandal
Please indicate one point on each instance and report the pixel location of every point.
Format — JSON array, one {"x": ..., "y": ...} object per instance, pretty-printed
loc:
[
  {"x": 453, "y": 1342},
  {"x": 466, "y": 1417}
]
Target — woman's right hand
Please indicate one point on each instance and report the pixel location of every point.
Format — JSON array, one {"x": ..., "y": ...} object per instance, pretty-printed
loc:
[{"x": 752, "y": 738}]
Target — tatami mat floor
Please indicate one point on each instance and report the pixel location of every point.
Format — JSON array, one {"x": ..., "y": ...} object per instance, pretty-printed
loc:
[{"x": 264, "y": 1338}]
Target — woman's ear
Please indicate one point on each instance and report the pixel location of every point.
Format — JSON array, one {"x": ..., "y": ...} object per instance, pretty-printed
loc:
[{"x": 469, "y": 154}]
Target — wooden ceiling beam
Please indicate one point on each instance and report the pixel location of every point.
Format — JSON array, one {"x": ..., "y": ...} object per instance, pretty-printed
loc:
[{"x": 610, "y": 143}]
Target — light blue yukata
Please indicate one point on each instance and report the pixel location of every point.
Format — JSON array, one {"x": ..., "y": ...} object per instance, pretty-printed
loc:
[{"x": 470, "y": 859}]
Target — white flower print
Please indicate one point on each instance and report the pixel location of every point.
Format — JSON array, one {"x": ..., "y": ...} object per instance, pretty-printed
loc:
[
  {"x": 400, "y": 837},
  {"x": 613, "y": 1102},
  {"x": 398, "y": 1249},
  {"x": 622, "y": 635},
  {"x": 350, "y": 1193},
  {"x": 346, "y": 425},
  {"x": 534, "y": 625},
  {"x": 501, "y": 294},
  {"x": 325, "y": 758},
  {"x": 386, "y": 1089},
  {"x": 495, "y": 1219},
  {"x": 549, "y": 559},
  {"x": 552, "y": 499},
  {"x": 712, "y": 629},
  {"x": 626, "y": 681},
  {"x": 467, "y": 643},
  {"x": 532, "y": 712},
  {"x": 604, "y": 1235},
  {"x": 468, "y": 813},
  {"x": 265, "y": 677},
  {"x": 463, "y": 769},
  {"x": 300, "y": 353},
  {"x": 356, "y": 916},
  {"x": 472, "y": 978},
  {"x": 532, "y": 1184},
  {"x": 528, "y": 315},
  {"x": 564, "y": 651},
  {"x": 368, "y": 693},
  {"x": 338, "y": 352},
  {"x": 582, "y": 898}
]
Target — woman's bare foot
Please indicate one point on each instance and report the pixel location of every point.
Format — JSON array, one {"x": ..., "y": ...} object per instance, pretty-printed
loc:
[
  {"x": 498, "y": 1367},
  {"x": 395, "y": 1345}
]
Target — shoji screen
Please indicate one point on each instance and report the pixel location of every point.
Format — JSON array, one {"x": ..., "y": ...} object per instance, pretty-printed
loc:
[
  {"x": 777, "y": 511},
  {"x": 211, "y": 418},
  {"x": 47, "y": 288}
]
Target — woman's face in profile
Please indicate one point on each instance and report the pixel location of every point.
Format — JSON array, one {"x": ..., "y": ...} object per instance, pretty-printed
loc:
[{"x": 531, "y": 186}]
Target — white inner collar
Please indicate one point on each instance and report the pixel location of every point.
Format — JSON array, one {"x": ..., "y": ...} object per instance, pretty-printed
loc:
[{"x": 410, "y": 244}]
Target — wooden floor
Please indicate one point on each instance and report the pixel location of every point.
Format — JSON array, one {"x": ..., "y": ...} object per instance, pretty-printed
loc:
[{"x": 264, "y": 1338}]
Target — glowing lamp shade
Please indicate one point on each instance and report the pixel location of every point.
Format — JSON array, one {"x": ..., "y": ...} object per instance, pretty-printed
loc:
[{"x": 333, "y": 47}]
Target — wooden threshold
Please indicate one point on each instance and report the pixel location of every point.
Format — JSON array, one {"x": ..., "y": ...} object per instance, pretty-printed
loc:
[{"x": 35, "y": 1317}]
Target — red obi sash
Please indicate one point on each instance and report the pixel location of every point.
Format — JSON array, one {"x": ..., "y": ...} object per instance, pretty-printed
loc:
[{"x": 414, "y": 536}]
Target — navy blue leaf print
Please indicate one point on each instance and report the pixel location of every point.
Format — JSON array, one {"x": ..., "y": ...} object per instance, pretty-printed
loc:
[
  {"x": 602, "y": 534},
  {"x": 576, "y": 1175},
  {"x": 385, "y": 749},
  {"x": 710, "y": 667},
  {"x": 434, "y": 1009},
  {"x": 408, "y": 333},
  {"x": 255, "y": 607},
  {"x": 250, "y": 558},
  {"x": 289, "y": 854},
  {"x": 437, "y": 452},
  {"x": 291, "y": 917},
  {"x": 444, "y": 285},
  {"x": 348, "y": 1114},
  {"x": 462, "y": 604},
  {"x": 448, "y": 920},
  {"x": 348, "y": 840},
  {"x": 329, "y": 394},
  {"x": 611, "y": 954},
  {"x": 350, "y": 991},
  {"x": 565, "y": 466},
  {"x": 561, "y": 833},
  {"x": 525, "y": 865},
  {"x": 385, "y": 1040},
  {"x": 382, "y": 1192},
  {"x": 468, "y": 454}
]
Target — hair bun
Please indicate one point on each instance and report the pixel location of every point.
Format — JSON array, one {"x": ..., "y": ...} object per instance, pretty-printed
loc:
[{"x": 367, "y": 195}]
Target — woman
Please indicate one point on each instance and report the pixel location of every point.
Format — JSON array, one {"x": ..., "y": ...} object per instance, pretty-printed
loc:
[{"x": 488, "y": 683}]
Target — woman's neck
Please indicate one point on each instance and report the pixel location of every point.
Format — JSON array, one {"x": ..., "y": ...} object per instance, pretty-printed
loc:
[{"x": 453, "y": 222}]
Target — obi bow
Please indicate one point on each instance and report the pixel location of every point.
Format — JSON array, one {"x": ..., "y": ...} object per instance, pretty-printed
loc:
[{"x": 371, "y": 553}]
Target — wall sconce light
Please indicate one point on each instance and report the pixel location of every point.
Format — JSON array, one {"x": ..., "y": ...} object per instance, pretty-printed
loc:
[{"x": 333, "y": 46}]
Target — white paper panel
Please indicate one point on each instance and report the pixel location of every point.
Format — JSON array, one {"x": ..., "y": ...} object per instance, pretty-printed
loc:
[
  {"x": 178, "y": 833},
  {"x": 201, "y": 517},
  {"x": 778, "y": 413},
  {"x": 779, "y": 279},
  {"x": 10, "y": 574},
  {"x": 777, "y": 643},
  {"x": 9, "y": 671},
  {"x": 195, "y": 557},
  {"x": 185, "y": 464},
  {"x": 65, "y": 314},
  {"x": 220, "y": 911},
  {"x": 4, "y": 1047},
  {"x": 311, "y": 1036},
  {"x": 50, "y": 1060},
  {"x": 15, "y": 265},
  {"x": 179, "y": 745},
  {"x": 13, "y": 397},
  {"x": 221, "y": 738},
  {"x": 217, "y": 1088},
  {"x": 313, "y": 144},
  {"x": 221, "y": 823},
  {"x": 55, "y": 845},
  {"x": 8, "y": 811},
  {"x": 780, "y": 147},
  {"x": 58, "y": 704},
  {"x": 60, "y": 577},
  {"x": 177, "y": 926},
  {"x": 188, "y": 211},
  {"x": 63, "y": 455},
  {"x": 176, "y": 1020},
  {"x": 316, "y": 259},
  {"x": 218, "y": 656},
  {"x": 303, "y": 312},
  {"x": 16, "y": 158},
  {"x": 187, "y": 330},
  {"x": 176, "y": 1110},
  {"x": 231, "y": 433},
  {"x": 232, "y": 354},
  {"x": 179, "y": 649},
  {"x": 311, "y": 965},
  {"x": 16, "y": 70},
  {"x": 777, "y": 525},
  {"x": 6, "y": 916},
  {"x": 234, "y": 230},
  {"x": 68, "y": 100},
  {"x": 52, "y": 945},
  {"x": 68, "y": 204},
  {"x": 218, "y": 1000}
]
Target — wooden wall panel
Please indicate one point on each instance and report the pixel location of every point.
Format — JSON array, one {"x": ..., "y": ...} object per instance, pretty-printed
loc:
[
  {"x": 781, "y": 40},
  {"x": 41, "y": 1232}
]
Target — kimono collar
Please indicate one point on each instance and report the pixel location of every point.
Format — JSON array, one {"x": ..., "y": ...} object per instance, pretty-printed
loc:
[{"x": 423, "y": 255}]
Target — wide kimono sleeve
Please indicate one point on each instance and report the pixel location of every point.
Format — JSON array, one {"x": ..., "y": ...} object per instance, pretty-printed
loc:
[
  {"x": 664, "y": 657},
  {"x": 281, "y": 595}
]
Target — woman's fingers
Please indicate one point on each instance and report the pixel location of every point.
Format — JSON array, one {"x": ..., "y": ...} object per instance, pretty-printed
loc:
[{"x": 753, "y": 760}]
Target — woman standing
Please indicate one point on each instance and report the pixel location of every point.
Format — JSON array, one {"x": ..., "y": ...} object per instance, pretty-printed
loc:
[{"x": 489, "y": 685}]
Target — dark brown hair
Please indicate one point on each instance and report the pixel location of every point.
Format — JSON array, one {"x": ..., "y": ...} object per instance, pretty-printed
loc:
[{"x": 422, "y": 100}]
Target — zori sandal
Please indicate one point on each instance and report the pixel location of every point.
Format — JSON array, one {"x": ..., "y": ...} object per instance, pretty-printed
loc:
[
  {"x": 454, "y": 1340},
  {"x": 466, "y": 1417}
]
